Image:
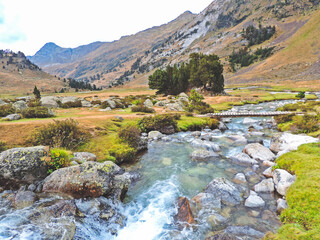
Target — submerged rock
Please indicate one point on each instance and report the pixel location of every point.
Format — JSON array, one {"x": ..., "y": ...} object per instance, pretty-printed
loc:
[
  {"x": 225, "y": 190},
  {"x": 202, "y": 154},
  {"x": 91, "y": 179},
  {"x": 244, "y": 231},
  {"x": 20, "y": 166},
  {"x": 259, "y": 152},
  {"x": 282, "y": 180}
]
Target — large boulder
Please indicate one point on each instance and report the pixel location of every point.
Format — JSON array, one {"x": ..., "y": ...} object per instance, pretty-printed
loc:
[
  {"x": 243, "y": 159},
  {"x": 259, "y": 152},
  {"x": 12, "y": 117},
  {"x": 155, "y": 135},
  {"x": 223, "y": 189},
  {"x": 282, "y": 181},
  {"x": 90, "y": 179},
  {"x": 69, "y": 99},
  {"x": 20, "y": 105},
  {"x": 20, "y": 166},
  {"x": 285, "y": 142},
  {"x": 148, "y": 103},
  {"x": 49, "y": 101}
]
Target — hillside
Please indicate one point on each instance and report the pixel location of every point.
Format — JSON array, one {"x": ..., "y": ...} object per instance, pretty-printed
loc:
[
  {"x": 217, "y": 29},
  {"x": 19, "y": 75}
]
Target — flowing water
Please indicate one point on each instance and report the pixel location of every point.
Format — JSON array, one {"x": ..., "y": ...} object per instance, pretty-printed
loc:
[{"x": 167, "y": 172}]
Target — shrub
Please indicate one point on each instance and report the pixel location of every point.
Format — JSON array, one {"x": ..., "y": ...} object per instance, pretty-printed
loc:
[
  {"x": 123, "y": 153},
  {"x": 34, "y": 103},
  {"x": 59, "y": 158},
  {"x": 3, "y": 146},
  {"x": 75, "y": 104},
  {"x": 142, "y": 108},
  {"x": 37, "y": 112},
  {"x": 301, "y": 95},
  {"x": 307, "y": 123},
  {"x": 213, "y": 123},
  {"x": 66, "y": 134},
  {"x": 6, "y": 110},
  {"x": 130, "y": 135},
  {"x": 283, "y": 118},
  {"x": 157, "y": 123},
  {"x": 201, "y": 108},
  {"x": 95, "y": 102}
]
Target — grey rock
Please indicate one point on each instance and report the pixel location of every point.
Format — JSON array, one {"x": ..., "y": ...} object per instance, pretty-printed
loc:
[
  {"x": 223, "y": 189},
  {"x": 211, "y": 146},
  {"x": 196, "y": 134},
  {"x": 240, "y": 178},
  {"x": 148, "y": 103},
  {"x": 174, "y": 107},
  {"x": 2, "y": 103},
  {"x": 281, "y": 205},
  {"x": 222, "y": 236},
  {"x": 49, "y": 101},
  {"x": 12, "y": 117},
  {"x": 254, "y": 201},
  {"x": 159, "y": 104},
  {"x": 266, "y": 185},
  {"x": 24, "y": 199},
  {"x": 238, "y": 139},
  {"x": 82, "y": 157},
  {"x": 183, "y": 95},
  {"x": 90, "y": 179},
  {"x": 222, "y": 126},
  {"x": 19, "y": 166},
  {"x": 202, "y": 154},
  {"x": 268, "y": 173},
  {"x": 20, "y": 105},
  {"x": 112, "y": 104},
  {"x": 259, "y": 152},
  {"x": 243, "y": 159},
  {"x": 32, "y": 187},
  {"x": 282, "y": 180},
  {"x": 206, "y": 201},
  {"x": 249, "y": 121},
  {"x": 108, "y": 109},
  {"x": 155, "y": 135},
  {"x": 69, "y": 99},
  {"x": 86, "y": 104},
  {"x": 244, "y": 231}
]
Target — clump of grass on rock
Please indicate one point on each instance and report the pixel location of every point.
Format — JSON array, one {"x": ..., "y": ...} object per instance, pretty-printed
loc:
[
  {"x": 66, "y": 134},
  {"x": 59, "y": 158}
]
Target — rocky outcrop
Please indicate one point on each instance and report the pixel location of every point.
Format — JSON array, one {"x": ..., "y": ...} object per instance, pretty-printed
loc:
[
  {"x": 20, "y": 166},
  {"x": 91, "y": 179},
  {"x": 223, "y": 189},
  {"x": 259, "y": 152},
  {"x": 282, "y": 181}
]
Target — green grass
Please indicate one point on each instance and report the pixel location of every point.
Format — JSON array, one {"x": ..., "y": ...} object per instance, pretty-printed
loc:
[
  {"x": 302, "y": 219},
  {"x": 186, "y": 123}
]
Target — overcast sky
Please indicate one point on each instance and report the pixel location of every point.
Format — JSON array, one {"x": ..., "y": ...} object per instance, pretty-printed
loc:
[{"x": 26, "y": 25}]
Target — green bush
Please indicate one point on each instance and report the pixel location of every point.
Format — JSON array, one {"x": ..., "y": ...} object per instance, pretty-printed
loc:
[
  {"x": 36, "y": 112},
  {"x": 75, "y": 104},
  {"x": 34, "y": 103},
  {"x": 307, "y": 123},
  {"x": 3, "y": 146},
  {"x": 213, "y": 123},
  {"x": 157, "y": 123},
  {"x": 130, "y": 135},
  {"x": 301, "y": 95},
  {"x": 196, "y": 104},
  {"x": 142, "y": 108},
  {"x": 59, "y": 158},
  {"x": 123, "y": 153},
  {"x": 284, "y": 118},
  {"x": 66, "y": 134},
  {"x": 6, "y": 110}
]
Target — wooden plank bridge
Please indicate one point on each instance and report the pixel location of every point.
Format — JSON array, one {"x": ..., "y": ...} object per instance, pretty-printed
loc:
[{"x": 248, "y": 114}]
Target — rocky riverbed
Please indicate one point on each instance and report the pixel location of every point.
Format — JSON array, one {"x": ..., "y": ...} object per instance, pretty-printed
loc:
[{"x": 215, "y": 184}]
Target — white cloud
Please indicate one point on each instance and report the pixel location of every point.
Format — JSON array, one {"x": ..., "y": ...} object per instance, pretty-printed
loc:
[{"x": 70, "y": 23}]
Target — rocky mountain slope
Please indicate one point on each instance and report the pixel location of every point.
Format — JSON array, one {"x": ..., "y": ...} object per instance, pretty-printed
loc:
[
  {"x": 19, "y": 75},
  {"x": 217, "y": 29}
]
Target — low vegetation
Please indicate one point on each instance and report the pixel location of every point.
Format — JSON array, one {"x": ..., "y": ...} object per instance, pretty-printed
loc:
[
  {"x": 142, "y": 108},
  {"x": 130, "y": 135},
  {"x": 66, "y": 134},
  {"x": 197, "y": 105},
  {"x": 256, "y": 36},
  {"x": 59, "y": 158},
  {"x": 37, "y": 112},
  {"x": 3, "y": 146},
  {"x": 158, "y": 122},
  {"x": 302, "y": 219},
  {"x": 6, "y": 110}
]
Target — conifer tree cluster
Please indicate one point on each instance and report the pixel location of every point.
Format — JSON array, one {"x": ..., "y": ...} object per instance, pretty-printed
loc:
[{"x": 204, "y": 71}]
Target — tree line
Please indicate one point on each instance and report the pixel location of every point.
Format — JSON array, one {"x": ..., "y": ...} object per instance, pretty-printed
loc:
[{"x": 201, "y": 71}]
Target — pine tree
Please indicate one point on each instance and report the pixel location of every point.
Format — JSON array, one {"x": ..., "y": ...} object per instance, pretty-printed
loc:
[{"x": 36, "y": 93}]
